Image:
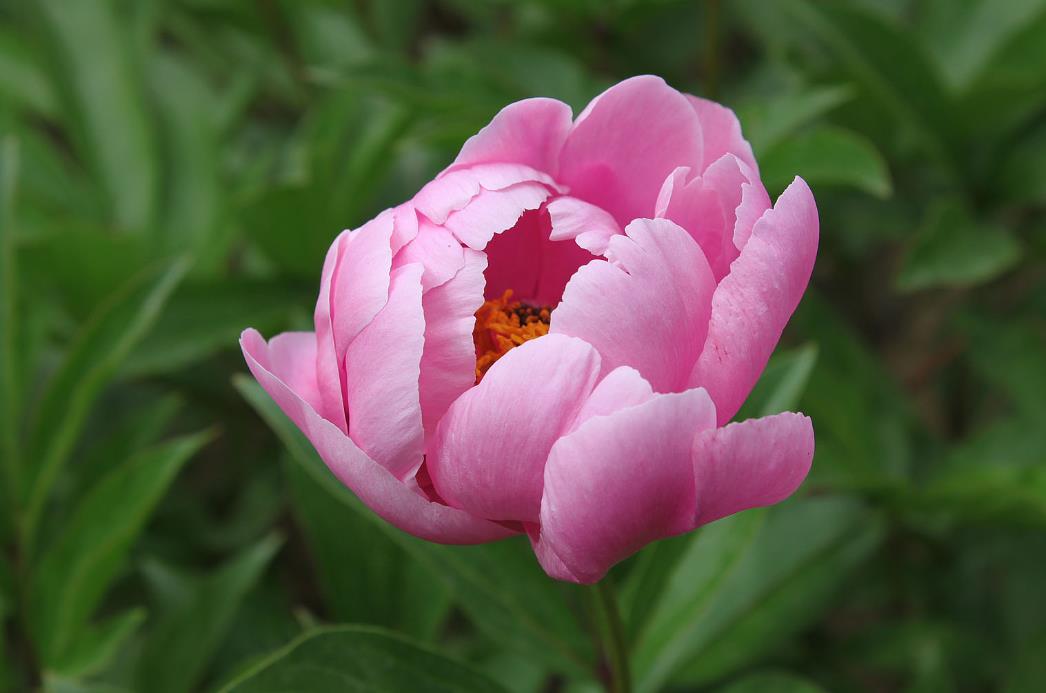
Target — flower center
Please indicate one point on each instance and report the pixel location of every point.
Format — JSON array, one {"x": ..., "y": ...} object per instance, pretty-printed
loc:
[{"x": 502, "y": 324}]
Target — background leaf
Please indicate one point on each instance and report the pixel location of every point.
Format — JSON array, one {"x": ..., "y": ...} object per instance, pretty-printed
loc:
[
  {"x": 73, "y": 574},
  {"x": 332, "y": 658}
]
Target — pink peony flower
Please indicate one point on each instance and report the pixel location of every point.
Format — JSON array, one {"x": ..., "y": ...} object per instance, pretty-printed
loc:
[{"x": 553, "y": 335}]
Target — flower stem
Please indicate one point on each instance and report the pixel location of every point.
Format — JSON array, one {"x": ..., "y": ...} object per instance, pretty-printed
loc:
[{"x": 611, "y": 635}]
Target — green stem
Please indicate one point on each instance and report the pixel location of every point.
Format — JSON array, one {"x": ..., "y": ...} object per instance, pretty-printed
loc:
[{"x": 611, "y": 635}]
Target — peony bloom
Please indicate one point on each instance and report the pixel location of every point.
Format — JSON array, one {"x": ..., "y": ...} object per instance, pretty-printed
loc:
[{"x": 552, "y": 336}]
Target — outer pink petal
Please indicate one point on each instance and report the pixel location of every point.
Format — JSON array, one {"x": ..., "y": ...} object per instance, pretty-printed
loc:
[
  {"x": 489, "y": 450},
  {"x": 751, "y": 464},
  {"x": 590, "y": 226},
  {"x": 620, "y": 482},
  {"x": 721, "y": 133},
  {"x": 529, "y": 132},
  {"x": 328, "y": 365},
  {"x": 448, "y": 364},
  {"x": 360, "y": 283},
  {"x": 382, "y": 371},
  {"x": 754, "y": 302},
  {"x": 494, "y": 211},
  {"x": 292, "y": 358},
  {"x": 454, "y": 189},
  {"x": 626, "y": 142},
  {"x": 437, "y": 250},
  {"x": 374, "y": 485},
  {"x": 647, "y": 308}
]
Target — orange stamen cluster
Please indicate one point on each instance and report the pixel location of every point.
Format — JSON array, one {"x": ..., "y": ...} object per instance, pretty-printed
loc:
[{"x": 502, "y": 324}]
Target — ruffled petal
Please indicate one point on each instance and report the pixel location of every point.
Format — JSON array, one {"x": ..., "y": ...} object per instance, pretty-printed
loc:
[
  {"x": 626, "y": 142},
  {"x": 374, "y": 485},
  {"x": 448, "y": 364},
  {"x": 751, "y": 464},
  {"x": 489, "y": 451},
  {"x": 619, "y": 482},
  {"x": 529, "y": 132},
  {"x": 588, "y": 225},
  {"x": 454, "y": 189},
  {"x": 753, "y": 303},
  {"x": 437, "y": 250},
  {"x": 494, "y": 211},
  {"x": 647, "y": 308},
  {"x": 382, "y": 371}
]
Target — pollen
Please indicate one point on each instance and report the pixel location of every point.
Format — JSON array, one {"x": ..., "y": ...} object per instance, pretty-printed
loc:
[{"x": 503, "y": 324}]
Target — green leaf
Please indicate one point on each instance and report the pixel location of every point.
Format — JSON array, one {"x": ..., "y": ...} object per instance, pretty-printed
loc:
[
  {"x": 96, "y": 67},
  {"x": 73, "y": 575},
  {"x": 772, "y": 682},
  {"x": 189, "y": 630},
  {"x": 194, "y": 201},
  {"x": 203, "y": 318},
  {"x": 747, "y": 582},
  {"x": 359, "y": 658},
  {"x": 782, "y": 383},
  {"x": 498, "y": 585},
  {"x": 22, "y": 79},
  {"x": 953, "y": 249},
  {"x": 826, "y": 156},
  {"x": 365, "y": 576},
  {"x": 768, "y": 122},
  {"x": 966, "y": 36},
  {"x": 96, "y": 646},
  {"x": 1019, "y": 344},
  {"x": 92, "y": 361},
  {"x": 996, "y": 477},
  {"x": 10, "y": 389},
  {"x": 888, "y": 64}
]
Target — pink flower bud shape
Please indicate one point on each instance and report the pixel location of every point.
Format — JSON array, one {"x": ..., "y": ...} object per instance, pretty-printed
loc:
[{"x": 552, "y": 336}]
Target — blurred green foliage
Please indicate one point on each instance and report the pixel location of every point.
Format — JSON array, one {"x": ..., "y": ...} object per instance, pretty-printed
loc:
[{"x": 172, "y": 171}]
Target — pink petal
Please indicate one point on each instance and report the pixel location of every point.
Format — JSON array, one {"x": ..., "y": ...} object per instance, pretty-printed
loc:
[
  {"x": 360, "y": 283},
  {"x": 647, "y": 308},
  {"x": 721, "y": 133},
  {"x": 754, "y": 302},
  {"x": 328, "y": 365},
  {"x": 292, "y": 359},
  {"x": 448, "y": 363},
  {"x": 620, "y": 482},
  {"x": 489, "y": 450},
  {"x": 404, "y": 226},
  {"x": 754, "y": 203},
  {"x": 751, "y": 464},
  {"x": 382, "y": 370},
  {"x": 437, "y": 250},
  {"x": 535, "y": 268},
  {"x": 588, "y": 225},
  {"x": 494, "y": 211},
  {"x": 530, "y": 132},
  {"x": 454, "y": 189},
  {"x": 623, "y": 387},
  {"x": 626, "y": 142},
  {"x": 705, "y": 210},
  {"x": 374, "y": 485}
]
